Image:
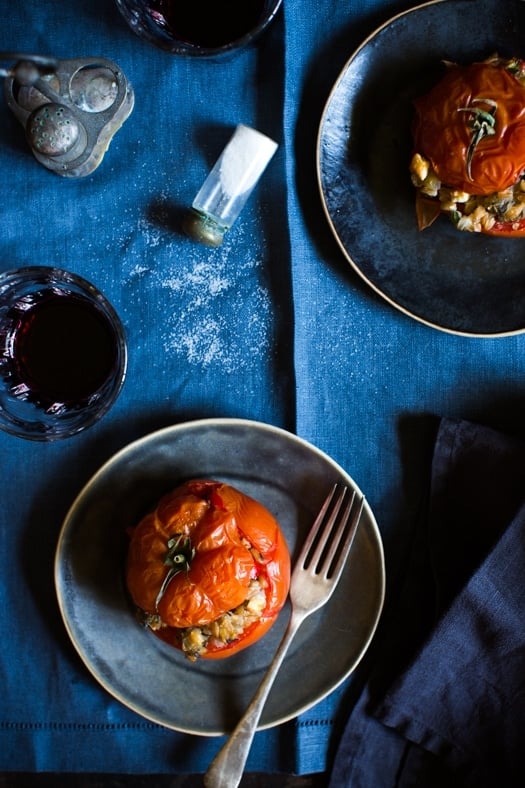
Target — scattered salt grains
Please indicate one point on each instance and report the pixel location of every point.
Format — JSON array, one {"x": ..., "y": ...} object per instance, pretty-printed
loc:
[
  {"x": 202, "y": 275},
  {"x": 138, "y": 270},
  {"x": 213, "y": 328},
  {"x": 152, "y": 235},
  {"x": 216, "y": 312}
]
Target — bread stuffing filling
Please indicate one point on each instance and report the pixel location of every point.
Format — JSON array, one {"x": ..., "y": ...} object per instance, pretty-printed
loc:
[
  {"x": 471, "y": 212},
  {"x": 195, "y": 640}
]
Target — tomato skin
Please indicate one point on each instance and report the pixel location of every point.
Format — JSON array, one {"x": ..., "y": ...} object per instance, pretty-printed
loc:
[
  {"x": 442, "y": 133},
  {"x": 219, "y": 521},
  {"x": 508, "y": 229}
]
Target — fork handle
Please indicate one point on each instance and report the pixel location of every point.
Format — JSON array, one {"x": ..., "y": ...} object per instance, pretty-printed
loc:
[{"x": 226, "y": 769}]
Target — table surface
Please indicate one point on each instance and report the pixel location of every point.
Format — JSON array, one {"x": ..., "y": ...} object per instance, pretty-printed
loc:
[{"x": 274, "y": 326}]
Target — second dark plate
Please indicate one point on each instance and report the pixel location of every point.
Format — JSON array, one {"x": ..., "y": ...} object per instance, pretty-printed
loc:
[{"x": 462, "y": 283}]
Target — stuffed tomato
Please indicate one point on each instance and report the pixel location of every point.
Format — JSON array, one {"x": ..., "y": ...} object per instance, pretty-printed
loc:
[
  {"x": 469, "y": 148},
  {"x": 208, "y": 569}
]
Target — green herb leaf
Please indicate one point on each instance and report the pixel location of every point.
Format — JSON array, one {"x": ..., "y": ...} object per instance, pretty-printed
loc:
[
  {"x": 178, "y": 558},
  {"x": 482, "y": 124}
]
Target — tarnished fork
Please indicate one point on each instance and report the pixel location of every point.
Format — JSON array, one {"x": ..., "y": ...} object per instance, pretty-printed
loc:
[{"x": 315, "y": 576}]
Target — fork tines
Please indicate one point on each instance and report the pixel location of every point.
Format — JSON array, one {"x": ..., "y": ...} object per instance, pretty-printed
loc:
[{"x": 330, "y": 539}]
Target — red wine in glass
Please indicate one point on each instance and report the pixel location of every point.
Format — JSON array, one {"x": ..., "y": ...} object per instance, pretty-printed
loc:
[
  {"x": 208, "y": 23},
  {"x": 63, "y": 354},
  {"x": 62, "y": 347}
]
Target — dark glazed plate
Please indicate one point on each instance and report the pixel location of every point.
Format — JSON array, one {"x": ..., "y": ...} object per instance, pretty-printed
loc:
[
  {"x": 287, "y": 475},
  {"x": 462, "y": 283}
]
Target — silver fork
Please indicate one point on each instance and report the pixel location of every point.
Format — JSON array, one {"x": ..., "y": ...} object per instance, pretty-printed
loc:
[{"x": 314, "y": 578}]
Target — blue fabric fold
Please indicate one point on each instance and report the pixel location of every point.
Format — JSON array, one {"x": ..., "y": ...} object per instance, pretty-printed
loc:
[{"x": 446, "y": 700}]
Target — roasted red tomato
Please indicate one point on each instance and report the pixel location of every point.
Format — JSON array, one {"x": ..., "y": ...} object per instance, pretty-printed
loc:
[
  {"x": 209, "y": 569},
  {"x": 469, "y": 148}
]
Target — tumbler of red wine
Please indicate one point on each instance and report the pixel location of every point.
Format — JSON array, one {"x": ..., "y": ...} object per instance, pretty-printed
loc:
[
  {"x": 205, "y": 29},
  {"x": 63, "y": 353}
]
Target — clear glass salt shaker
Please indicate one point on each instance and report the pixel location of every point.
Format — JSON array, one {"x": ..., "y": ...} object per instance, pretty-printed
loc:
[{"x": 229, "y": 184}]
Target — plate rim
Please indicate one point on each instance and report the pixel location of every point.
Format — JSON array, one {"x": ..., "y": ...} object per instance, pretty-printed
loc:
[
  {"x": 174, "y": 429},
  {"x": 391, "y": 301}
]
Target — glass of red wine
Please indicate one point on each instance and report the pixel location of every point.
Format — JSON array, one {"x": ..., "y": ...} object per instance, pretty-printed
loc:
[
  {"x": 63, "y": 353},
  {"x": 205, "y": 29}
]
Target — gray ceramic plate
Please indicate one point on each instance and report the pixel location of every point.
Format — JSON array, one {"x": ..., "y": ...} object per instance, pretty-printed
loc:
[
  {"x": 458, "y": 282},
  {"x": 287, "y": 475}
]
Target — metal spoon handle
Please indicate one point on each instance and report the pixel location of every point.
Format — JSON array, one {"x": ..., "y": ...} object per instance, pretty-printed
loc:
[{"x": 226, "y": 769}]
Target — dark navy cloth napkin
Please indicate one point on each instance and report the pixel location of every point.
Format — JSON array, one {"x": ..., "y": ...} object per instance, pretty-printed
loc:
[{"x": 446, "y": 701}]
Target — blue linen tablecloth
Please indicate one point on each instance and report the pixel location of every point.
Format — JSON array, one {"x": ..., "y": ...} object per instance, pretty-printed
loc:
[{"x": 273, "y": 326}]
